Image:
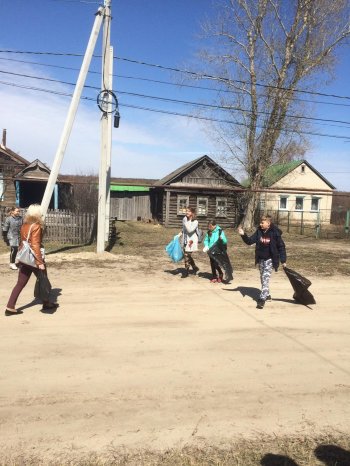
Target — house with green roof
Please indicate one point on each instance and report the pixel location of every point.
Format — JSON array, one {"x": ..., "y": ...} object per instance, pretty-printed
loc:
[{"x": 298, "y": 191}]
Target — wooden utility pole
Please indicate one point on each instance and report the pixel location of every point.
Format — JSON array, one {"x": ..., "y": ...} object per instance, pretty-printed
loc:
[
  {"x": 109, "y": 151},
  {"x": 106, "y": 122}
]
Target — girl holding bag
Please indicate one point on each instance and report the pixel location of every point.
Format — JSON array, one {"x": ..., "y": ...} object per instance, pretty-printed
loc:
[{"x": 32, "y": 229}]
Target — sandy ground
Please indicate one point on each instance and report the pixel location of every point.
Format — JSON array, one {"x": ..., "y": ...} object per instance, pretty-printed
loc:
[{"x": 138, "y": 357}]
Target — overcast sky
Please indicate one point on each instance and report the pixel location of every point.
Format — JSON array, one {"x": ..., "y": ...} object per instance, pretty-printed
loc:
[{"x": 147, "y": 144}]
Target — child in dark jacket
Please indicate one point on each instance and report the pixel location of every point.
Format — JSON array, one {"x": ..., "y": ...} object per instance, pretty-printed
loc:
[{"x": 270, "y": 250}]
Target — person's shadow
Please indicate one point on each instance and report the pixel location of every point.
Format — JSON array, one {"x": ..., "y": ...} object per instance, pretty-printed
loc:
[
  {"x": 54, "y": 293},
  {"x": 277, "y": 460},
  {"x": 249, "y": 291},
  {"x": 332, "y": 455}
]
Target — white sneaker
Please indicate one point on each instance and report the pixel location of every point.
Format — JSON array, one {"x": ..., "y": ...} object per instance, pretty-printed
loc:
[{"x": 13, "y": 267}]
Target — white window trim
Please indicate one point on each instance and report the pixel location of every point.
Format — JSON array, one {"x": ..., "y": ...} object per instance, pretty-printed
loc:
[
  {"x": 206, "y": 206},
  {"x": 279, "y": 203},
  {"x": 217, "y": 214},
  {"x": 299, "y": 197},
  {"x": 180, "y": 197},
  {"x": 2, "y": 185},
  {"x": 318, "y": 204}
]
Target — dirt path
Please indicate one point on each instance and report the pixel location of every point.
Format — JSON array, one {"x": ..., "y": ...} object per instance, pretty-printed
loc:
[{"x": 136, "y": 357}]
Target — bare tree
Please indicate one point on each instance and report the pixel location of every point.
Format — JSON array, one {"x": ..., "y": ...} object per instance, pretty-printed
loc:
[
  {"x": 260, "y": 52},
  {"x": 83, "y": 194}
]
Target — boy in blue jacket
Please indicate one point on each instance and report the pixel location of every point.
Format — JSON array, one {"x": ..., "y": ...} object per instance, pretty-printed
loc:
[
  {"x": 214, "y": 234},
  {"x": 270, "y": 250}
]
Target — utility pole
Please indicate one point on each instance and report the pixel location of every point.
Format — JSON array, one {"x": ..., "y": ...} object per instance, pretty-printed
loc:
[
  {"x": 109, "y": 151},
  {"x": 72, "y": 111},
  {"x": 105, "y": 132}
]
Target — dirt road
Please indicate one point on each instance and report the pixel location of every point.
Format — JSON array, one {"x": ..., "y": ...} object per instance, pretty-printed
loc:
[{"x": 140, "y": 357}]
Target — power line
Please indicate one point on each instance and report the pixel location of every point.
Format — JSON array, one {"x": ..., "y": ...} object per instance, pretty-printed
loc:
[
  {"x": 178, "y": 70},
  {"x": 177, "y": 101},
  {"x": 335, "y": 136},
  {"x": 158, "y": 81}
]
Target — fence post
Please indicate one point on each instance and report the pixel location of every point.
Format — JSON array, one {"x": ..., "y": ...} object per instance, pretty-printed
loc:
[
  {"x": 302, "y": 223},
  {"x": 347, "y": 222},
  {"x": 318, "y": 225}
]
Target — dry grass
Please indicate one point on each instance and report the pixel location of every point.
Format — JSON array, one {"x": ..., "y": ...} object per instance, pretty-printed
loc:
[
  {"x": 305, "y": 254},
  {"x": 328, "y": 449}
]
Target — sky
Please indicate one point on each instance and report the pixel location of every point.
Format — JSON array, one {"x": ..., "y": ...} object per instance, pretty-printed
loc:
[{"x": 146, "y": 144}]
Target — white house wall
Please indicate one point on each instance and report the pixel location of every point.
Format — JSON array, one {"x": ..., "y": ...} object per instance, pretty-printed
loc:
[{"x": 304, "y": 184}]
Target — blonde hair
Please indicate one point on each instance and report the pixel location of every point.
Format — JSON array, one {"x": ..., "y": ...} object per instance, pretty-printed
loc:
[{"x": 34, "y": 214}]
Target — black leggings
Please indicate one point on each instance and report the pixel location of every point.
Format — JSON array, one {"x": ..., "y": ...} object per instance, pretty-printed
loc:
[
  {"x": 215, "y": 268},
  {"x": 13, "y": 254}
]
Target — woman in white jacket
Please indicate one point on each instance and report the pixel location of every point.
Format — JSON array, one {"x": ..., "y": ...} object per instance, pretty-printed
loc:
[{"x": 189, "y": 240}]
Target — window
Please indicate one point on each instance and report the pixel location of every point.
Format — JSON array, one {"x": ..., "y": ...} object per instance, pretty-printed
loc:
[
  {"x": 182, "y": 204},
  {"x": 1, "y": 187},
  {"x": 315, "y": 204},
  {"x": 221, "y": 207},
  {"x": 262, "y": 204},
  {"x": 202, "y": 207},
  {"x": 303, "y": 169},
  {"x": 299, "y": 203},
  {"x": 283, "y": 202}
]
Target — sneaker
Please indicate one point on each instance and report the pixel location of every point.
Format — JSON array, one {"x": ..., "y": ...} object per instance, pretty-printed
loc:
[
  {"x": 260, "y": 303},
  {"x": 219, "y": 280},
  {"x": 195, "y": 269},
  {"x": 268, "y": 298},
  {"x": 184, "y": 274},
  {"x": 214, "y": 280},
  {"x": 13, "y": 267}
]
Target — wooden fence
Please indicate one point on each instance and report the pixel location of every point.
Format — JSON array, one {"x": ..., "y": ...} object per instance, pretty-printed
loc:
[{"x": 66, "y": 227}]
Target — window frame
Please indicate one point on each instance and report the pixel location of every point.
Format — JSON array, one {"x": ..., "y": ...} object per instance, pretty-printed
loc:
[
  {"x": 199, "y": 214},
  {"x": 217, "y": 213},
  {"x": 2, "y": 185},
  {"x": 181, "y": 197},
  {"x": 318, "y": 199},
  {"x": 302, "y": 203},
  {"x": 279, "y": 203}
]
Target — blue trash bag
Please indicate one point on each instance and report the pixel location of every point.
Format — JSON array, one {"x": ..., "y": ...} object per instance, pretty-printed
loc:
[{"x": 174, "y": 249}]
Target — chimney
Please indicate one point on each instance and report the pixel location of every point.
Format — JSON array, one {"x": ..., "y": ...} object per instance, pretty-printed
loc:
[{"x": 3, "y": 143}]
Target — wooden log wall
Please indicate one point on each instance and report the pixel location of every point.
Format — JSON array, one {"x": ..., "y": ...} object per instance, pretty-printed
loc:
[{"x": 174, "y": 220}]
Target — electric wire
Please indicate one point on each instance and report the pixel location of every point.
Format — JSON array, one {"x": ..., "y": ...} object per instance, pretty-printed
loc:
[
  {"x": 187, "y": 115},
  {"x": 178, "y": 70},
  {"x": 158, "y": 81},
  {"x": 178, "y": 101}
]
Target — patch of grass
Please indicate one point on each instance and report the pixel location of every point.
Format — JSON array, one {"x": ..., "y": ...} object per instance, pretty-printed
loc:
[
  {"x": 305, "y": 254},
  {"x": 327, "y": 449}
]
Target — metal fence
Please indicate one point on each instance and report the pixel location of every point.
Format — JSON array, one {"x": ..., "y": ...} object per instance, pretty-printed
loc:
[
  {"x": 322, "y": 224},
  {"x": 66, "y": 227}
]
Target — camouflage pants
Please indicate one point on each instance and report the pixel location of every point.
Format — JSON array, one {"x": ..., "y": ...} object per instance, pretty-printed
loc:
[
  {"x": 265, "y": 267},
  {"x": 189, "y": 260}
]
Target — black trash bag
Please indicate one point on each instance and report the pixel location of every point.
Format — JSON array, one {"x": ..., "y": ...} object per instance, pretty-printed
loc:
[
  {"x": 218, "y": 252},
  {"x": 300, "y": 286},
  {"x": 42, "y": 286}
]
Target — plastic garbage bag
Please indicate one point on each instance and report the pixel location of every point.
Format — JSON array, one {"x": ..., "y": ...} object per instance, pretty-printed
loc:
[
  {"x": 42, "y": 286},
  {"x": 300, "y": 286},
  {"x": 218, "y": 252},
  {"x": 174, "y": 249}
]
